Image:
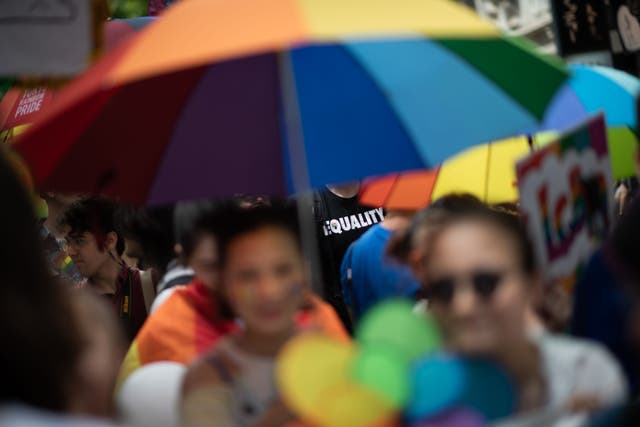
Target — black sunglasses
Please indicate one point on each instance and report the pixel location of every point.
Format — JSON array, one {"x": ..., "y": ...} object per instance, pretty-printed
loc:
[{"x": 484, "y": 284}]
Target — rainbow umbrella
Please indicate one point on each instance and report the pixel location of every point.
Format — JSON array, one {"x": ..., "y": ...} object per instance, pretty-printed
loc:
[
  {"x": 592, "y": 89},
  {"x": 487, "y": 171},
  {"x": 262, "y": 96}
]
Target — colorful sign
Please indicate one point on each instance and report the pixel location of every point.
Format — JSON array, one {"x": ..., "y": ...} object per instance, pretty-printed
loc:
[
  {"x": 19, "y": 108},
  {"x": 566, "y": 197}
]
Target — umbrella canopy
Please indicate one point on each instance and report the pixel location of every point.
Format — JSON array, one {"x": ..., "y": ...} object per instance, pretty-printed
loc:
[
  {"x": 221, "y": 97},
  {"x": 592, "y": 89},
  {"x": 486, "y": 171}
]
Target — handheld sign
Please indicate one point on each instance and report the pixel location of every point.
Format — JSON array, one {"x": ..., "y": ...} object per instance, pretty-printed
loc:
[{"x": 566, "y": 196}]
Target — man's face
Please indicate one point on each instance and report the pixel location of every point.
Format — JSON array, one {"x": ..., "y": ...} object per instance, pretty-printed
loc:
[{"x": 83, "y": 250}]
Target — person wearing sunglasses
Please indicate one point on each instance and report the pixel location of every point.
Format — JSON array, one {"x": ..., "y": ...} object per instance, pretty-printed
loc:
[{"x": 478, "y": 273}]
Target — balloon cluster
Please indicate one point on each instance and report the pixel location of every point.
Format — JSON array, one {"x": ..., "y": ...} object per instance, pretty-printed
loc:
[{"x": 394, "y": 371}]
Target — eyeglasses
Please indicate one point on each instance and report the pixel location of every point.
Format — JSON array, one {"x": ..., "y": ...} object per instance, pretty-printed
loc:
[{"x": 483, "y": 282}]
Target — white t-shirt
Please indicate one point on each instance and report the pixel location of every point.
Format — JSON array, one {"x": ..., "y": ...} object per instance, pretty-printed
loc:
[{"x": 573, "y": 367}]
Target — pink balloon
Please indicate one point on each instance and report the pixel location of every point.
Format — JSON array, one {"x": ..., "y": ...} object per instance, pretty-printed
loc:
[{"x": 458, "y": 417}]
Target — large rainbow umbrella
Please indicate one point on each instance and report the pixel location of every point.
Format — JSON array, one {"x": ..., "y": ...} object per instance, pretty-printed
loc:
[{"x": 261, "y": 96}]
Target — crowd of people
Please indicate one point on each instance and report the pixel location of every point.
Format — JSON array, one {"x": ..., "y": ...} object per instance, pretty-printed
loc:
[{"x": 97, "y": 290}]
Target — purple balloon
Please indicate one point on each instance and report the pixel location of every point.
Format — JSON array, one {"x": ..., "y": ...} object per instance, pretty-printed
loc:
[{"x": 458, "y": 417}]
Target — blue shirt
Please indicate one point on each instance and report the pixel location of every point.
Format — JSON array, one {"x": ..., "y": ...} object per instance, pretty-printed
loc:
[{"x": 368, "y": 276}]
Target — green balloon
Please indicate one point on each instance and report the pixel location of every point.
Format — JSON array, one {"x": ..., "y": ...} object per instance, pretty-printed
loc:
[
  {"x": 394, "y": 324},
  {"x": 383, "y": 371}
]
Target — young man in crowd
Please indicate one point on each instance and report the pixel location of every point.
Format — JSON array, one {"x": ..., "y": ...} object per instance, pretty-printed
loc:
[{"x": 96, "y": 249}]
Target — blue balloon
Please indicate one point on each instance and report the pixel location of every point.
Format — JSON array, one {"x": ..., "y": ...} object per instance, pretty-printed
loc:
[
  {"x": 438, "y": 382},
  {"x": 488, "y": 390}
]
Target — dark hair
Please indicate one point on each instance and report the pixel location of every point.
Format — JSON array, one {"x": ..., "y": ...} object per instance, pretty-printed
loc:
[
  {"x": 236, "y": 219},
  {"x": 401, "y": 243},
  {"x": 188, "y": 224},
  {"x": 40, "y": 342},
  {"x": 454, "y": 209},
  {"x": 95, "y": 215},
  {"x": 151, "y": 228}
]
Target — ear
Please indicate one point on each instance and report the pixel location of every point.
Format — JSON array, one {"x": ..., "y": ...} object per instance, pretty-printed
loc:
[
  {"x": 110, "y": 241},
  {"x": 416, "y": 263},
  {"x": 177, "y": 249}
]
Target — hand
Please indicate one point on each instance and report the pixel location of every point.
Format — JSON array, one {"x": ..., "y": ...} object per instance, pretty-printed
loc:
[{"x": 584, "y": 403}]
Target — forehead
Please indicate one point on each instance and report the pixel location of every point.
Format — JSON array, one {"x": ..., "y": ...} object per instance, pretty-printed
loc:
[
  {"x": 205, "y": 247},
  {"x": 76, "y": 234},
  {"x": 471, "y": 244},
  {"x": 264, "y": 244}
]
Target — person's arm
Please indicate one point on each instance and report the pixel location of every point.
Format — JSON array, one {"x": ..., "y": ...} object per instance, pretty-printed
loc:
[{"x": 207, "y": 396}]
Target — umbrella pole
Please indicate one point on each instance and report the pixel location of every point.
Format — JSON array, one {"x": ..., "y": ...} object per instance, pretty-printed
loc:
[
  {"x": 486, "y": 174},
  {"x": 300, "y": 175}
]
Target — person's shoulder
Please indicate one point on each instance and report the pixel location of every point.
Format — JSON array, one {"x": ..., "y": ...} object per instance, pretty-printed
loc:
[
  {"x": 563, "y": 349},
  {"x": 374, "y": 236},
  {"x": 585, "y": 364},
  {"x": 163, "y": 297}
]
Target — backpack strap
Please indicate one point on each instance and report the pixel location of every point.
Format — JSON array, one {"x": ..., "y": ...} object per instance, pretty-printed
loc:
[{"x": 148, "y": 290}]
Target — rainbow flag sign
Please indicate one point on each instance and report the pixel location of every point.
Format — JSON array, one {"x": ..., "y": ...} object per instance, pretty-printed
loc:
[{"x": 566, "y": 198}]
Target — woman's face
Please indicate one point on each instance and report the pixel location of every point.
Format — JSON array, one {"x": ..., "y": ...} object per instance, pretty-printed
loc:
[
  {"x": 264, "y": 279},
  {"x": 478, "y": 292}
]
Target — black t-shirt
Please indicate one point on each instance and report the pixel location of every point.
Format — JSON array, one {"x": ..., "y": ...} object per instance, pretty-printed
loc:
[{"x": 339, "y": 222}]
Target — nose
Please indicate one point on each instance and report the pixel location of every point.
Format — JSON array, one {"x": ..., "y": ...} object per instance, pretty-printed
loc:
[
  {"x": 72, "y": 251},
  {"x": 268, "y": 289},
  {"x": 464, "y": 301}
]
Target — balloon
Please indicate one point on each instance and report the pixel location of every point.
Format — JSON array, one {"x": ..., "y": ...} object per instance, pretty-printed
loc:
[
  {"x": 488, "y": 390},
  {"x": 352, "y": 405},
  {"x": 438, "y": 383},
  {"x": 149, "y": 397},
  {"x": 394, "y": 324},
  {"x": 459, "y": 417},
  {"x": 307, "y": 367},
  {"x": 384, "y": 371}
]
